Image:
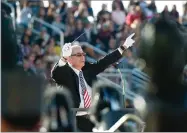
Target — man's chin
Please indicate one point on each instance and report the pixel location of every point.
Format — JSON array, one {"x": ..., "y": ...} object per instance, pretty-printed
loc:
[{"x": 83, "y": 64}]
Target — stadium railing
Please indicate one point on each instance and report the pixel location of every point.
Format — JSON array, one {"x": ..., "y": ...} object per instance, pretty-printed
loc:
[{"x": 53, "y": 28}]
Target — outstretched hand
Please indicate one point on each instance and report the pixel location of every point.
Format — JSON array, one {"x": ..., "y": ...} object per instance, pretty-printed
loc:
[{"x": 129, "y": 41}]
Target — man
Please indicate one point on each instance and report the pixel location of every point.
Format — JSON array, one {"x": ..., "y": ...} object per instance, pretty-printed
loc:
[{"x": 79, "y": 76}]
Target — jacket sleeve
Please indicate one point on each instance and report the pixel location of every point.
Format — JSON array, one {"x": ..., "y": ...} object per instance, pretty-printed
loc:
[
  {"x": 105, "y": 62},
  {"x": 57, "y": 75}
]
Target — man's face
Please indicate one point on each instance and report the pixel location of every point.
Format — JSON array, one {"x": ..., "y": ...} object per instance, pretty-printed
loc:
[{"x": 77, "y": 58}]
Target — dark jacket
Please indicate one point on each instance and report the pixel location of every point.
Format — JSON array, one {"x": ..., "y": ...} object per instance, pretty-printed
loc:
[{"x": 65, "y": 76}]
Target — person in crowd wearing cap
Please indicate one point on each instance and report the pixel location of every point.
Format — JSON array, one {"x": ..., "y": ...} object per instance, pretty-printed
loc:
[{"x": 78, "y": 76}]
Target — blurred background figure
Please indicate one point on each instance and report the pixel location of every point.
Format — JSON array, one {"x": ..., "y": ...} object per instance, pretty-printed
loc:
[
  {"x": 58, "y": 116},
  {"x": 108, "y": 108},
  {"x": 22, "y": 94},
  {"x": 174, "y": 13},
  {"x": 166, "y": 94},
  {"x": 25, "y": 14},
  {"x": 22, "y": 101}
]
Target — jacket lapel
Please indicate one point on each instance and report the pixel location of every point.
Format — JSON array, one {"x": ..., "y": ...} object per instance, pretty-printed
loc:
[{"x": 74, "y": 77}]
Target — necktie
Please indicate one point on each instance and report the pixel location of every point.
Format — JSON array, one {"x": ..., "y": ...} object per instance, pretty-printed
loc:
[{"x": 86, "y": 97}]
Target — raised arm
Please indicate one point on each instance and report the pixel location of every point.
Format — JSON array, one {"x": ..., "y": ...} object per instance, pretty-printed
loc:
[{"x": 111, "y": 58}]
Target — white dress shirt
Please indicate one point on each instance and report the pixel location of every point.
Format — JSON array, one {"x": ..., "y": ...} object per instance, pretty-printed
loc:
[{"x": 80, "y": 113}]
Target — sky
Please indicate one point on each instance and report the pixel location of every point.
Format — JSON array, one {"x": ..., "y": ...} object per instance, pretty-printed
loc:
[{"x": 96, "y": 5}]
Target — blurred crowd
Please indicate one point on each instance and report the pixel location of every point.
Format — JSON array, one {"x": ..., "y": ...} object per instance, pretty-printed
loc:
[{"x": 106, "y": 31}]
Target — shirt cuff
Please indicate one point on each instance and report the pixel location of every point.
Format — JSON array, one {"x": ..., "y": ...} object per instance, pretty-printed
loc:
[{"x": 120, "y": 50}]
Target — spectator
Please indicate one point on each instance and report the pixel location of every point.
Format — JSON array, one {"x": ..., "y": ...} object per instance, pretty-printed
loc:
[
  {"x": 75, "y": 5},
  {"x": 146, "y": 12},
  {"x": 112, "y": 44},
  {"x": 124, "y": 33},
  {"x": 26, "y": 13},
  {"x": 165, "y": 12},
  {"x": 36, "y": 50},
  {"x": 105, "y": 17},
  {"x": 118, "y": 15},
  {"x": 174, "y": 13},
  {"x": 43, "y": 38},
  {"x": 104, "y": 34},
  {"x": 88, "y": 7},
  {"x": 62, "y": 10},
  {"x": 79, "y": 29},
  {"x": 28, "y": 33},
  {"x": 26, "y": 48},
  {"x": 31, "y": 59},
  {"x": 103, "y": 11},
  {"x": 135, "y": 15},
  {"x": 120, "y": 5},
  {"x": 50, "y": 14},
  {"x": 90, "y": 32},
  {"x": 40, "y": 66},
  {"x": 184, "y": 17},
  {"x": 131, "y": 3},
  {"x": 152, "y": 6},
  {"x": 27, "y": 67},
  {"x": 185, "y": 5},
  {"x": 143, "y": 4},
  {"x": 82, "y": 13},
  {"x": 70, "y": 27},
  {"x": 41, "y": 13},
  {"x": 35, "y": 6},
  {"x": 50, "y": 55},
  {"x": 81, "y": 8},
  {"x": 57, "y": 47},
  {"x": 127, "y": 62},
  {"x": 58, "y": 23}
]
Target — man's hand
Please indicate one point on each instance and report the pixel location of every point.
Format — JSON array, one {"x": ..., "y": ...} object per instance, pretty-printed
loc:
[{"x": 129, "y": 41}]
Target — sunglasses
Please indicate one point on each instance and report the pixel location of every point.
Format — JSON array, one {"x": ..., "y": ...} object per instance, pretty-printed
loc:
[{"x": 79, "y": 54}]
